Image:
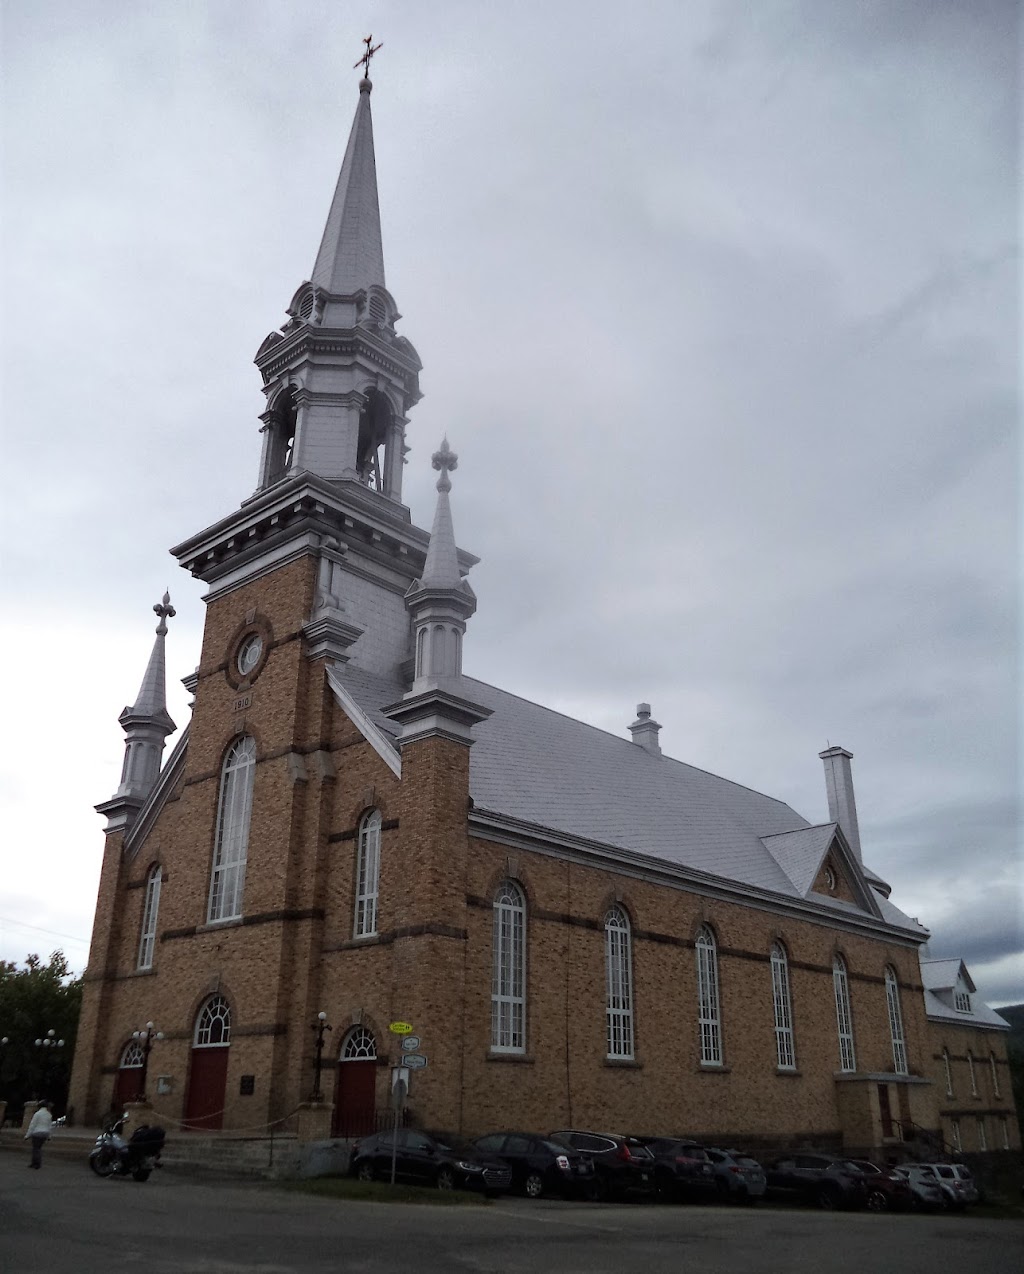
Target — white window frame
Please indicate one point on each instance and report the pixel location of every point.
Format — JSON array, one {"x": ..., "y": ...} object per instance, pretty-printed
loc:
[
  {"x": 954, "y": 1125},
  {"x": 234, "y": 811},
  {"x": 949, "y": 1072},
  {"x": 782, "y": 1005},
  {"x": 982, "y": 1135},
  {"x": 359, "y": 1045},
  {"x": 995, "y": 1074},
  {"x": 508, "y": 970},
  {"x": 215, "y": 1012},
  {"x": 961, "y": 1000},
  {"x": 844, "y": 1016},
  {"x": 972, "y": 1073},
  {"x": 618, "y": 957},
  {"x": 150, "y": 910},
  {"x": 132, "y": 1056},
  {"x": 364, "y": 923},
  {"x": 708, "y": 999},
  {"x": 899, "y": 1042}
]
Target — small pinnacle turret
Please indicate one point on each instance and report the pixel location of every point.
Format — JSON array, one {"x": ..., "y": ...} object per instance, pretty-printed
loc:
[{"x": 146, "y": 724}]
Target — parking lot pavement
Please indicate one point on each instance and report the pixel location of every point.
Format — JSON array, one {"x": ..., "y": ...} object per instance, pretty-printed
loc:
[{"x": 64, "y": 1220}]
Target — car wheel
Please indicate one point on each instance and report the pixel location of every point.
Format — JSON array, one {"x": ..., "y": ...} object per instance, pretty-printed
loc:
[
  {"x": 140, "y": 1174},
  {"x": 742, "y": 1195},
  {"x": 877, "y": 1201},
  {"x": 722, "y": 1190},
  {"x": 365, "y": 1171},
  {"x": 533, "y": 1186},
  {"x": 446, "y": 1179},
  {"x": 826, "y": 1199}
]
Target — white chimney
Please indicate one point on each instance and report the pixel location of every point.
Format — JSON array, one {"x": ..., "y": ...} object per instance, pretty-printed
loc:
[
  {"x": 842, "y": 808},
  {"x": 644, "y": 730}
]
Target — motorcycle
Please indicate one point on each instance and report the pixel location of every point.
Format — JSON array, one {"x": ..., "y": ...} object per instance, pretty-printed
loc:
[{"x": 114, "y": 1156}]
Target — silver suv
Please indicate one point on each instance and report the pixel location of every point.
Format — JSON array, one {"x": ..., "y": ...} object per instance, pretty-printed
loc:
[{"x": 954, "y": 1180}]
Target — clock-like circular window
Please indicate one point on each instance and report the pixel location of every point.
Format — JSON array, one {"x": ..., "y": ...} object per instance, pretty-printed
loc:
[
  {"x": 249, "y": 654},
  {"x": 830, "y": 878}
]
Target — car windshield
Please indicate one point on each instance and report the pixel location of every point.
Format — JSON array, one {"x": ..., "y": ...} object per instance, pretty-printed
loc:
[
  {"x": 948, "y": 1173},
  {"x": 452, "y": 1142}
]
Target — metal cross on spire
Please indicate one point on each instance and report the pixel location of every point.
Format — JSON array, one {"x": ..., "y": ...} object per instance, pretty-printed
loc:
[
  {"x": 165, "y": 611},
  {"x": 446, "y": 460},
  {"x": 364, "y": 61}
]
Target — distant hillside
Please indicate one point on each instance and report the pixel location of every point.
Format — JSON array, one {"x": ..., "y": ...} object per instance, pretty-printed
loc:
[{"x": 1014, "y": 1014}]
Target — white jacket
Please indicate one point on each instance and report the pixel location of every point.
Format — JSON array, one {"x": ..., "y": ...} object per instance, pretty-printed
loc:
[{"x": 40, "y": 1124}]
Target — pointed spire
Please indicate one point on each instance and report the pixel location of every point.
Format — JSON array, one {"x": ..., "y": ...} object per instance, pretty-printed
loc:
[
  {"x": 146, "y": 725},
  {"x": 351, "y": 257},
  {"x": 441, "y": 569},
  {"x": 151, "y": 701}
]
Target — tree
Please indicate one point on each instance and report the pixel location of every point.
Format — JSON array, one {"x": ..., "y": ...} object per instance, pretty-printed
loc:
[{"x": 35, "y": 1000}]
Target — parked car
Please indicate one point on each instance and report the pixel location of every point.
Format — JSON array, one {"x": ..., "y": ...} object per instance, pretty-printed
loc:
[
  {"x": 830, "y": 1181},
  {"x": 926, "y": 1193},
  {"x": 540, "y": 1165},
  {"x": 429, "y": 1158},
  {"x": 682, "y": 1169},
  {"x": 886, "y": 1190},
  {"x": 955, "y": 1181},
  {"x": 736, "y": 1176},
  {"x": 622, "y": 1165}
]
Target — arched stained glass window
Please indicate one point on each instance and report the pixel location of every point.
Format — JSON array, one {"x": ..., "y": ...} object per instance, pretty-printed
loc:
[
  {"x": 709, "y": 1016},
  {"x": 508, "y": 973},
  {"x": 359, "y": 1045},
  {"x": 367, "y": 875},
  {"x": 844, "y": 1016},
  {"x": 785, "y": 1050},
  {"x": 233, "y": 813},
  {"x": 213, "y": 1024},
  {"x": 619, "y": 977},
  {"x": 150, "y": 908},
  {"x": 899, "y": 1045}
]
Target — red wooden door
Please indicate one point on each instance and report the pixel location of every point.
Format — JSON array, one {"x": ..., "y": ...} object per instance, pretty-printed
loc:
[
  {"x": 207, "y": 1084},
  {"x": 355, "y": 1099},
  {"x": 127, "y": 1087}
]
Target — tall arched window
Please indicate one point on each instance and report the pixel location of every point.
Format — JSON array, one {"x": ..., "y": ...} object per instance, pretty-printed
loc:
[
  {"x": 949, "y": 1072},
  {"x": 150, "y": 908},
  {"x": 972, "y": 1073},
  {"x": 619, "y": 977},
  {"x": 844, "y": 1017},
  {"x": 213, "y": 1024},
  {"x": 707, "y": 999},
  {"x": 367, "y": 874},
  {"x": 233, "y": 813},
  {"x": 899, "y": 1045},
  {"x": 508, "y": 976},
  {"x": 782, "y": 1004},
  {"x": 995, "y": 1075}
]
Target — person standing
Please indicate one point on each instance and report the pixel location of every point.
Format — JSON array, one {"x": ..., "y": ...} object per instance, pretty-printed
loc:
[{"x": 38, "y": 1132}]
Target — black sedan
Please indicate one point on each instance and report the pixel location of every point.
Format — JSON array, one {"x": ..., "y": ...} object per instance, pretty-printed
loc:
[
  {"x": 429, "y": 1159},
  {"x": 540, "y": 1165}
]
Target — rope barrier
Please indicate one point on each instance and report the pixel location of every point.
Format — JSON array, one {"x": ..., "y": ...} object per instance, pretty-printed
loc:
[{"x": 185, "y": 1125}]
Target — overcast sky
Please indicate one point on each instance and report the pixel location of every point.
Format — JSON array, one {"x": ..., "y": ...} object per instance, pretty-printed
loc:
[{"x": 717, "y": 302}]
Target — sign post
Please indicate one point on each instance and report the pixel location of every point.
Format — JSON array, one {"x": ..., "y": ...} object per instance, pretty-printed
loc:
[{"x": 399, "y": 1092}]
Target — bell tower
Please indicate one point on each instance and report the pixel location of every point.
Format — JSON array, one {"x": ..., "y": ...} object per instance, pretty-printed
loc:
[
  {"x": 339, "y": 380},
  {"x": 339, "y": 383}
]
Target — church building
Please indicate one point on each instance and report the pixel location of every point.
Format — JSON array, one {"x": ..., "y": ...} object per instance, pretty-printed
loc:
[{"x": 579, "y": 930}]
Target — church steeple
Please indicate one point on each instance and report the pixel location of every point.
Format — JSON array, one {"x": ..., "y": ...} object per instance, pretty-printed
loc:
[
  {"x": 146, "y": 724},
  {"x": 351, "y": 255},
  {"x": 338, "y": 378}
]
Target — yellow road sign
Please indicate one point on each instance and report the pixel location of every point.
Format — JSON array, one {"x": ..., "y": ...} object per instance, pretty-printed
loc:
[{"x": 400, "y": 1028}]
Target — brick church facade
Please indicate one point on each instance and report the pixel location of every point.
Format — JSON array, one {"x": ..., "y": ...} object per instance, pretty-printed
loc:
[{"x": 582, "y": 931}]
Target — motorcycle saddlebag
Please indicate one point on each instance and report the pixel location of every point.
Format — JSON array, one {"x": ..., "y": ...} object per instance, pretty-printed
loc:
[{"x": 148, "y": 1139}]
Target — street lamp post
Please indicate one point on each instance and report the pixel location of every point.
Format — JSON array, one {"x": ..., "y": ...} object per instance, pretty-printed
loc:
[
  {"x": 320, "y": 1026},
  {"x": 147, "y": 1038},
  {"x": 48, "y": 1045}
]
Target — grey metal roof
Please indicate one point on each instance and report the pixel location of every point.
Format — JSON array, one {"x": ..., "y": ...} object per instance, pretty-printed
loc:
[
  {"x": 939, "y": 976},
  {"x": 542, "y": 768}
]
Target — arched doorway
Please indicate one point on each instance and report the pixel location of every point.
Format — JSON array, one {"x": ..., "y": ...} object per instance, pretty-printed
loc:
[
  {"x": 355, "y": 1091},
  {"x": 128, "y": 1080},
  {"x": 208, "y": 1071}
]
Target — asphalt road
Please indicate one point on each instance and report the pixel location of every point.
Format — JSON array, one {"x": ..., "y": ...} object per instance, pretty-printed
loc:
[{"x": 64, "y": 1220}]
